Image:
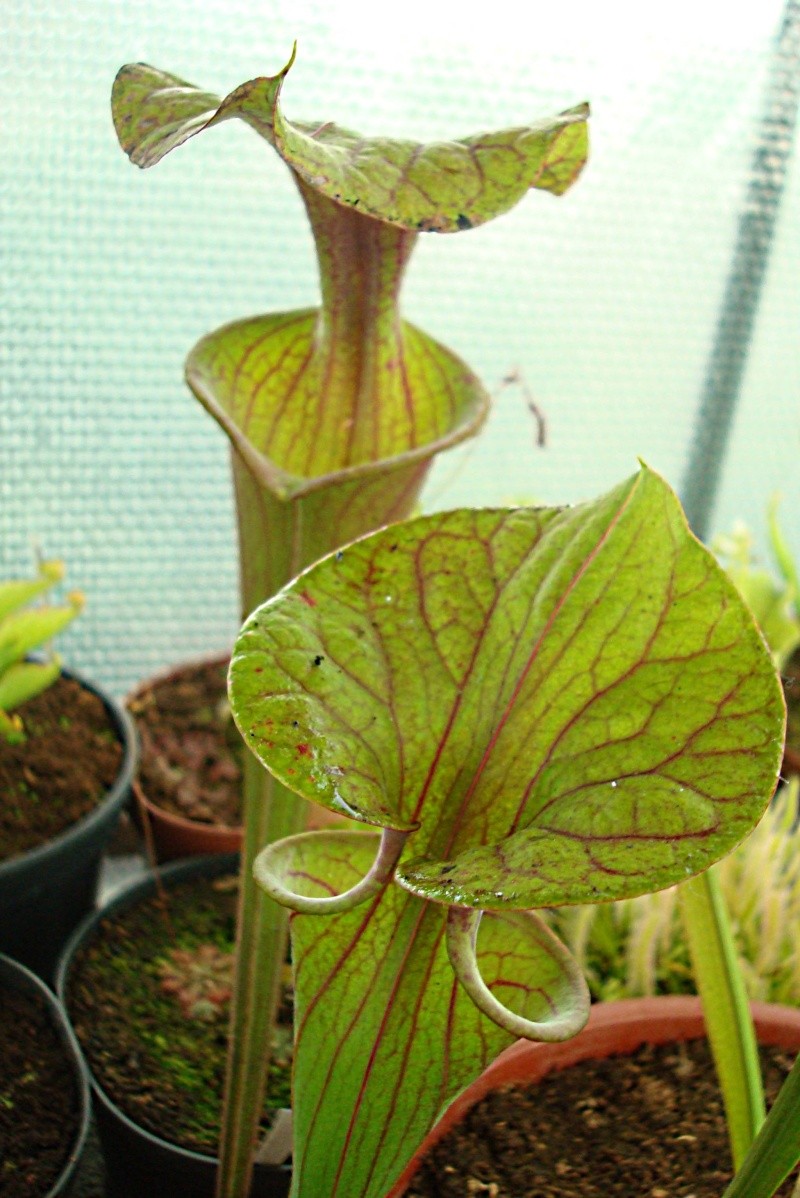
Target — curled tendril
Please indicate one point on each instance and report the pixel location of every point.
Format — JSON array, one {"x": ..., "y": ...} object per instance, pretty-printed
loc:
[
  {"x": 568, "y": 1016},
  {"x": 297, "y": 860},
  {"x": 282, "y": 860}
]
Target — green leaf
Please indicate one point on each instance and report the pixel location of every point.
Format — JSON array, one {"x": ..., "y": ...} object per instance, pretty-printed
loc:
[
  {"x": 782, "y": 553},
  {"x": 154, "y": 112},
  {"x": 11, "y": 729},
  {"x": 568, "y": 705},
  {"x": 729, "y": 1024},
  {"x": 305, "y": 410},
  {"x": 441, "y": 187},
  {"x": 773, "y": 608},
  {"x": 385, "y": 1035},
  {"x": 279, "y": 866},
  {"x": 334, "y": 415},
  {"x": 333, "y": 436},
  {"x": 776, "y": 1149},
  {"x": 323, "y": 454},
  {"x": 25, "y": 680},
  {"x": 773, "y": 605},
  {"x": 546, "y": 706},
  {"x": 17, "y": 592},
  {"x": 26, "y": 630}
]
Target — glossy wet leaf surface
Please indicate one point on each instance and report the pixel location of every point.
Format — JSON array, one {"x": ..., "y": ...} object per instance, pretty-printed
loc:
[
  {"x": 568, "y": 705},
  {"x": 557, "y": 706}
]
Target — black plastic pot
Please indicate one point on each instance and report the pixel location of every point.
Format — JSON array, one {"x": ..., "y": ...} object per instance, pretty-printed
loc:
[
  {"x": 139, "y": 1163},
  {"x": 14, "y": 976},
  {"x": 47, "y": 891}
]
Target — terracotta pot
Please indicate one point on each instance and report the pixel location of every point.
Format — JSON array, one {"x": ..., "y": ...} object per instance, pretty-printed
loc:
[
  {"x": 174, "y": 836},
  {"x": 614, "y": 1029}
]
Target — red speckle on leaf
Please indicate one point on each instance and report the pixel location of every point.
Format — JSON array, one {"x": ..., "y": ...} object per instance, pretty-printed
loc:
[
  {"x": 304, "y": 750},
  {"x": 304, "y": 595}
]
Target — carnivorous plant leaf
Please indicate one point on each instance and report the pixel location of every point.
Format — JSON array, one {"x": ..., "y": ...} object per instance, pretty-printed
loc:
[
  {"x": 385, "y": 1036},
  {"x": 312, "y": 408},
  {"x": 564, "y": 705},
  {"x": 442, "y": 187},
  {"x": 553, "y": 705},
  {"x": 334, "y": 415}
]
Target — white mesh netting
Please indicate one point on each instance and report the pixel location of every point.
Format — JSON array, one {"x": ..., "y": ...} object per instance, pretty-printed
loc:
[{"x": 606, "y": 300}]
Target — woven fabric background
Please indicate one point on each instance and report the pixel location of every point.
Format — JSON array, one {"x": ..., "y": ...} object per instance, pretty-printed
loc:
[{"x": 604, "y": 300}]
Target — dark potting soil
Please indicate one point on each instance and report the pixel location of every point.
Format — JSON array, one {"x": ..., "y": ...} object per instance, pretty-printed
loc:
[
  {"x": 149, "y": 999},
  {"x": 191, "y": 751},
  {"x": 39, "y": 1101},
  {"x": 649, "y": 1125},
  {"x": 69, "y": 759}
]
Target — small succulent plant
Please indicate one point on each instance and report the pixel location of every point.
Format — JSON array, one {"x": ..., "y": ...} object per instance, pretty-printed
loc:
[
  {"x": 24, "y": 628},
  {"x": 200, "y": 978}
]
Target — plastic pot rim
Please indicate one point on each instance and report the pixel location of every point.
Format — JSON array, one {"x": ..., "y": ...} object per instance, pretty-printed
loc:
[
  {"x": 115, "y": 796},
  {"x": 13, "y": 972},
  {"x": 216, "y": 863}
]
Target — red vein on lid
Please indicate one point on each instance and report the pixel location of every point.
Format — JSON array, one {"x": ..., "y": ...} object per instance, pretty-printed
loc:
[
  {"x": 459, "y": 697},
  {"x": 445, "y": 383},
  {"x": 302, "y": 873},
  {"x": 401, "y": 349},
  {"x": 265, "y": 372},
  {"x": 286, "y": 399},
  {"x": 595, "y": 697},
  {"x": 319, "y": 392},
  {"x": 257, "y": 347},
  {"x": 473, "y": 785}
]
